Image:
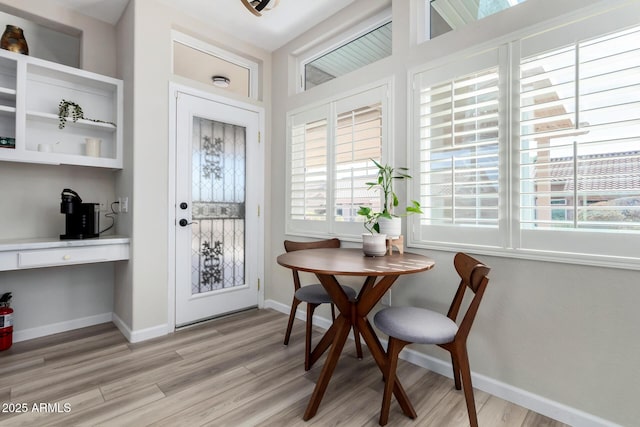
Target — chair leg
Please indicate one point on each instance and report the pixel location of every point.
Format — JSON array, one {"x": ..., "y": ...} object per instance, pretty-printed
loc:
[
  {"x": 307, "y": 341},
  {"x": 467, "y": 387},
  {"x": 356, "y": 337},
  {"x": 393, "y": 350},
  {"x": 456, "y": 368},
  {"x": 292, "y": 316}
]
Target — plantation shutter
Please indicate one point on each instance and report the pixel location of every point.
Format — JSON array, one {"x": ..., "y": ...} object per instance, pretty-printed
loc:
[
  {"x": 358, "y": 139},
  {"x": 580, "y": 135},
  {"x": 329, "y": 152},
  {"x": 308, "y": 167},
  {"x": 359, "y": 135},
  {"x": 580, "y": 141},
  {"x": 459, "y": 132},
  {"x": 553, "y": 173}
]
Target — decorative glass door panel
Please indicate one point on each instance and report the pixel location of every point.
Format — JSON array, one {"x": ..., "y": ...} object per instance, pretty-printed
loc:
[
  {"x": 219, "y": 186},
  {"x": 218, "y": 205}
]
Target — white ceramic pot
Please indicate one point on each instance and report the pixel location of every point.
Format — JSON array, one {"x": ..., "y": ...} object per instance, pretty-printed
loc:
[
  {"x": 374, "y": 244},
  {"x": 391, "y": 227}
]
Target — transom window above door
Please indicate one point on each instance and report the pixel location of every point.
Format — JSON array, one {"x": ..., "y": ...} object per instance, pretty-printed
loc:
[{"x": 213, "y": 66}]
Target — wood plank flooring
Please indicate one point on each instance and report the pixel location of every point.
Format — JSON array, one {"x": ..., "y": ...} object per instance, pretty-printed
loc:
[{"x": 228, "y": 372}]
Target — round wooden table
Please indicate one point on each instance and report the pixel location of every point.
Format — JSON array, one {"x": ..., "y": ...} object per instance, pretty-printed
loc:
[{"x": 381, "y": 273}]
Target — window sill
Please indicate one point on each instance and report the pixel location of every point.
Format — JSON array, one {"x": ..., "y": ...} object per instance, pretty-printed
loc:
[{"x": 626, "y": 263}]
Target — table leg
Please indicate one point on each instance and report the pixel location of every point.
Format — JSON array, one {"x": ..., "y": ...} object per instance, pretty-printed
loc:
[
  {"x": 342, "y": 331},
  {"x": 380, "y": 356},
  {"x": 345, "y": 307},
  {"x": 323, "y": 344}
]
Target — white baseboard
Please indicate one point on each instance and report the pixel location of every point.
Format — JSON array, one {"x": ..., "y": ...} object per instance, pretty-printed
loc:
[
  {"x": 142, "y": 334},
  {"x": 534, "y": 402},
  {"x": 301, "y": 313},
  {"x": 54, "y": 328}
]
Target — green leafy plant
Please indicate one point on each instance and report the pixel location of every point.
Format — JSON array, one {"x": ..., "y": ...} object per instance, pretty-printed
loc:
[
  {"x": 386, "y": 176},
  {"x": 70, "y": 108}
]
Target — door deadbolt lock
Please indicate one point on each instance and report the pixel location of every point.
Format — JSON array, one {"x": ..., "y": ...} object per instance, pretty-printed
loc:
[{"x": 183, "y": 205}]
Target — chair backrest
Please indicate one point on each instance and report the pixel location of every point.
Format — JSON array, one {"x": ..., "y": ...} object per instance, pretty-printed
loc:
[
  {"x": 290, "y": 246},
  {"x": 473, "y": 275}
]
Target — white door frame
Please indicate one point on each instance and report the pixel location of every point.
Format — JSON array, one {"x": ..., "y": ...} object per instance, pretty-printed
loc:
[{"x": 174, "y": 89}]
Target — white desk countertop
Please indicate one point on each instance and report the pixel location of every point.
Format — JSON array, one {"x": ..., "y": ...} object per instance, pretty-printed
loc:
[
  {"x": 18, "y": 254},
  {"x": 55, "y": 242}
]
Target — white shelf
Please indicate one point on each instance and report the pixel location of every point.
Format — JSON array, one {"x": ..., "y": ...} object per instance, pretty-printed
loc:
[
  {"x": 82, "y": 123},
  {"x": 31, "y": 90}
]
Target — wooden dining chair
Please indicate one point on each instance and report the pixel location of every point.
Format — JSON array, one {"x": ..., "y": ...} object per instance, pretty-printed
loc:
[
  {"x": 406, "y": 325},
  {"x": 313, "y": 295}
]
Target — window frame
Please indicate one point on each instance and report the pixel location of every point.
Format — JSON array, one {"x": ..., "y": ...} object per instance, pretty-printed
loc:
[
  {"x": 329, "y": 227},
  {"x": 423, "y": 19},
  {"x": 573, "y": 246},
  {"x": 310, "y": 54}
]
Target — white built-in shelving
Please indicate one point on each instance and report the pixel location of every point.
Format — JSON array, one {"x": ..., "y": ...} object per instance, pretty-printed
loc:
[{"x": 31, "y": 90}]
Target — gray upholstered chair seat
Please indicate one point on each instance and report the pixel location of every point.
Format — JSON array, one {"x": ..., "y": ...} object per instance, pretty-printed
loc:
[
  {"x": 406, "y": 325},
  {"x": 417, "y": 325},
  {"x": 316, "y": 294}
]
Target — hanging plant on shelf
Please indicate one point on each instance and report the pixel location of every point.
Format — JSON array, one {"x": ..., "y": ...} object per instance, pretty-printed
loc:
[{"x": 70, "y": 108}]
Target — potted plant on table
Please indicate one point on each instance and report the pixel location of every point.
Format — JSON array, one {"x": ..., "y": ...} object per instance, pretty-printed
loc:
[{"x": 386, "y": 223}]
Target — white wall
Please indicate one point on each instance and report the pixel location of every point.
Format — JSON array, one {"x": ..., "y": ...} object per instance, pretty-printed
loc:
[
  {"x": 30, "y": 201},
  {"x": 98, "y": 50},
  {"x": 48, "y": 300},
  {"x": 123, "y": 290},
  {"x": 148, "y": 24},
  {"x": 46, "y": 43},
  {"x": 564, "y": 332}
]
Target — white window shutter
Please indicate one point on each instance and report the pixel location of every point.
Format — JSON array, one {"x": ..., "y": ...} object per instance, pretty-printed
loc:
[{"x": 460, "y": 140}]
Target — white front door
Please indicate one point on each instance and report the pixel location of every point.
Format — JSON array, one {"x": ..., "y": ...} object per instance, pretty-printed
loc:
[{"x": 218, "y": 191}]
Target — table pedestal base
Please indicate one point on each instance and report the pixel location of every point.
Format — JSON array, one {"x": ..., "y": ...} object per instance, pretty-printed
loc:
[{"x": 353, "y": 314}]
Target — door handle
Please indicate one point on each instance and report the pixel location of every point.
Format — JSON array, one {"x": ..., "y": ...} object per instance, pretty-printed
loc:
[{"x": 183, "y": 222}]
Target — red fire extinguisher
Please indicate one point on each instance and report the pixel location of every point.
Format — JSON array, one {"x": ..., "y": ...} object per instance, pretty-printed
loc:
[{"x": 6, "y": 322}]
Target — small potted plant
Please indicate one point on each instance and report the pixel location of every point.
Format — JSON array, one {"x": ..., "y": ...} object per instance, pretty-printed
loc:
[
  {"x": 374, "y": 243},
  {"x": 72, "y": 110},
  {"x": 386, "y": 222}
]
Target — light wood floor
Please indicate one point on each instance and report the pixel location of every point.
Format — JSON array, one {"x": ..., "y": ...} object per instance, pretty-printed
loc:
[{"x": 232, "y": 371}]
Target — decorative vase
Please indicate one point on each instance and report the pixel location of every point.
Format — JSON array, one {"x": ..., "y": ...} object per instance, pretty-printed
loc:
[
  {"x": 13, "y": 40},
  {"x": 391, "y": 227},
  {"x": 374, "y": 244}
]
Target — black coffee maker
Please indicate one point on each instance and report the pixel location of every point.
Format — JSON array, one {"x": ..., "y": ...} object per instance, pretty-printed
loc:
[{"x": 82, "y": 219}]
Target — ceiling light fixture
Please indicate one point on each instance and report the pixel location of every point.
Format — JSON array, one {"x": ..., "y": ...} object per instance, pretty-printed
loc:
[
  {"x": 221, "y": 81},
  {"x": 257, "y": 6}
]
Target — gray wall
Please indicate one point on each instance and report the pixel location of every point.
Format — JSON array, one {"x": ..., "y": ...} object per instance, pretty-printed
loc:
[{"x": 564, "y": 332}]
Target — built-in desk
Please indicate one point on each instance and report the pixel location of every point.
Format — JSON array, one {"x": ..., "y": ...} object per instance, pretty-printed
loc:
[{"x": 19, "y": 254}]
